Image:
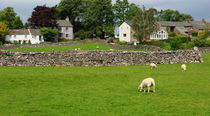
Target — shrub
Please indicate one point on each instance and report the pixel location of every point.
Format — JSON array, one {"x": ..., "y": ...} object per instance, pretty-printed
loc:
[
  {"x": 62, "y": 39},
  {"x": 76, "y": 39},
  {"x": 122, "y": 43},
  {"x": 24, "y": 41},
  {"x": 166, "y": 46},
  {"x": 171, "y": 34},
  {"x": 83, "y": 34},
  {"x": 49, "y": 33},
  {"x": 195, "y": 34},
  {"x": 200, "y": 33},
  {"x": 200, "y": 42}
]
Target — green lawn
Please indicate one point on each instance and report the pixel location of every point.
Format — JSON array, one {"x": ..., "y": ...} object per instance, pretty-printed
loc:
[
  {"x": 105, "y": 91},
  {"x": 86, "y": 46}
]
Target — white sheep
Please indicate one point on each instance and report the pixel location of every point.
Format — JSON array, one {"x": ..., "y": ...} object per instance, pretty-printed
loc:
[
  {"x": 147, "y": 83},
  {"x": 97, "y": 47},
  {"x": 184, "y": 67},
  {"x": 153, "y": 66}
]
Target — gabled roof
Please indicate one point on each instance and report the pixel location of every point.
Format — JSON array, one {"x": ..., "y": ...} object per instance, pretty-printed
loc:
[
  {"x": 18, "y": 32},
  {"x": 24, "y": 32},
  {"x": 64, "y": 23},
  {"x": 129, "y": 23},
  {"x": 198, "y": 24},
  {"x": 35, "y": 31},
  {"x": 174, "y": 24}
]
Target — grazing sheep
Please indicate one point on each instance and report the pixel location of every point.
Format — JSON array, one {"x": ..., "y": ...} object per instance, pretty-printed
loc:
[
  {"x": 75, "y": 49},
  {"x": 97, "y": 47},
  {"x": 78, "y": 49},
  {"x": 147, "y": 83},
  {"x": 111, "y": 49},
  {"x": 184, "y": 67},
  {"x": 153, "y": 66}
]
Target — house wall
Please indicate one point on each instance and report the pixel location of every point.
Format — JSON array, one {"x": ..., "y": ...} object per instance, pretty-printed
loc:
[
  {"x": 125, "y": 29},
  {"x": 33, "y": 38},
  {"x": 63, "y": 31}
]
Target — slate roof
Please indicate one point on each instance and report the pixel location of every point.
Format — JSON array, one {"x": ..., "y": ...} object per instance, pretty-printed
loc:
[
  {"x": 198, "y": 24},
  {"x": 35, "y": 31},
  {"x": 174, "y": 24},
  {"x": 129, "y": 23},
  {"x": 18, "y": 32},
  {"x": 64, "y": 23},
  {"x": 24, "y": 32}
]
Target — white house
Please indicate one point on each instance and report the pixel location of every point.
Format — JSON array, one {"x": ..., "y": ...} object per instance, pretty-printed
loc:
[
  {"x": 126, "y": 33},
  {"x": 65, "y": 29},
  {"x": 28, "y": 35}
]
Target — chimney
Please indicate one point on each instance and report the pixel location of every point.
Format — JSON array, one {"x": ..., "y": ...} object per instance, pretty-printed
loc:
[
  {"x": 67, "y": 19},
  {"x": 203, "y": 20}
]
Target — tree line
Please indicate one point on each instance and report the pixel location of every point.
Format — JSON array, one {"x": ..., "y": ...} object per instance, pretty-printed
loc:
[{"x": 92, "y": 18}]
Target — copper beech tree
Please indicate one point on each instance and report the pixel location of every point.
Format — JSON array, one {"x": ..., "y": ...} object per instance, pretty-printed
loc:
[{"x": 43, "y": 16}]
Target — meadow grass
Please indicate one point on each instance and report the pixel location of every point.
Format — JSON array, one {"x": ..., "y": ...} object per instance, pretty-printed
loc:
[
  {"x": 105, "y": 91},
  {"x": 86, "y": 46}
]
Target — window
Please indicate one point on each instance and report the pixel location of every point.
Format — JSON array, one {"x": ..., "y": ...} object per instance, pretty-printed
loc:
[
  {"x": 14, "y": 36},
  {"x": 124, "y": 35},
  {"x": 67, "y": 35},
  {"x": 25, "y": 36},
  {"x": 67, "y": 28}
]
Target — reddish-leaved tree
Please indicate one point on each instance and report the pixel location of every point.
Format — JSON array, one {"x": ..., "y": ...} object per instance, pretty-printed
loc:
[{"x": 43, "y": 16}]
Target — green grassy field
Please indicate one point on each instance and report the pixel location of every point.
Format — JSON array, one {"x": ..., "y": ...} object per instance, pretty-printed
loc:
[
  {"x": 86, "y": 46},
  {"x": 108, "y": 91}
]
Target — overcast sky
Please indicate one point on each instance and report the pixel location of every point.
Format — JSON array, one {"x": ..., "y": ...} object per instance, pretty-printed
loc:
[{"x": 197, "y": 8}]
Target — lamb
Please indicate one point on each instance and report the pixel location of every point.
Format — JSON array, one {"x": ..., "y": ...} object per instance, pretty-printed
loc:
[
  {"x": 153, "y": 66},
  {"x": 184, "y": 67},
  {"x": 147, "y": 83}
]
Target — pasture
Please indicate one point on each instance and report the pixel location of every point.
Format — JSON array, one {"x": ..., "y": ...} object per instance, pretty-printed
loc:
[
  {"x": 108, "y": 91},
  {"x": 86, "y": 46}
]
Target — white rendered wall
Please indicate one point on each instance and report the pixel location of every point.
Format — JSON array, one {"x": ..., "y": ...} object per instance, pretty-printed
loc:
[
  {"x": 125, "y": 29},
  {"x": 69, "y": 32}
]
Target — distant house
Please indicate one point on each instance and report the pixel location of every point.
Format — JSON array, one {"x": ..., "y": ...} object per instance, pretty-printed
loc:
[
  {"x": 187, "y": 27},
  {"x": 126, "y": 33},
  {"x": 65, "y": 29},
  {"x": 28, "y": 35}
]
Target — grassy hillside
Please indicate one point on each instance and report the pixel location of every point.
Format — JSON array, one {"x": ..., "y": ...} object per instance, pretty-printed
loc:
[
  {"x": 86, "y": 46},
  {"x": 88, "y": 91}
]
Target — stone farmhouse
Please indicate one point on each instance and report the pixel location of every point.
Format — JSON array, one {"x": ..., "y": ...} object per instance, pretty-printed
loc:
[
  {"x": 187, "y": 27},
  {"x": 65, "y": 29},
  {"x": 33, "y": 36}
]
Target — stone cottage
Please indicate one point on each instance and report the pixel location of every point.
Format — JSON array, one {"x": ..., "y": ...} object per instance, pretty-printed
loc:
[{"x": 65, "y": 29}]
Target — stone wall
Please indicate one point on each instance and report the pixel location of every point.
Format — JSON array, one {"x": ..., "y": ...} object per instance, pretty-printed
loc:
[
  {"x": 204, "y": 49},
  {"x": 96, "y": 58}
]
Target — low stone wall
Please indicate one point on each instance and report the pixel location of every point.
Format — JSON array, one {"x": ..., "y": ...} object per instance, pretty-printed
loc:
[
  {"x": 96, "y": 58},
  {"x": 204, "y": 49}
]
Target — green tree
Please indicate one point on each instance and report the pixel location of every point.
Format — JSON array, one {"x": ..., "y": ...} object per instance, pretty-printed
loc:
[
  {"x": 98, "y": 17},
  {"x": 3, "y": 31},
  {"x": 144, "y": 24},
  {"x": 8, "y": 16},
  {"x": 70, "y": 8},
  {"x": 124, "y": 11},
  {"x": 49, "y": 34},
  {"x": 172, "y": 15}
]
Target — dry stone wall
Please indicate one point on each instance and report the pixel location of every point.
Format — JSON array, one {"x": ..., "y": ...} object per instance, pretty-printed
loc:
[{"x": 96, "y": 58}]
